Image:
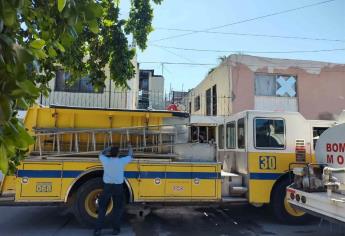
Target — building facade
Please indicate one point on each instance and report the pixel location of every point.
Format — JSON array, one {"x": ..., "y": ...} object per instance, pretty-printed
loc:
[
  {"x": 151, "y": 90},
  {"x": 146, "y": 90},
  {"x": 243, "y": 82}
]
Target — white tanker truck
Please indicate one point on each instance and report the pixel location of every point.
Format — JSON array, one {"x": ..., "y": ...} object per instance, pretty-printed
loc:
[{"x": 319, "y": 189}]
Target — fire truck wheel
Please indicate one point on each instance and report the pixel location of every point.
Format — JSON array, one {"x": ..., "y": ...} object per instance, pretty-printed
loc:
[
  {"x": 283, "y": 210},
  {"x": 86, "y": 204}
]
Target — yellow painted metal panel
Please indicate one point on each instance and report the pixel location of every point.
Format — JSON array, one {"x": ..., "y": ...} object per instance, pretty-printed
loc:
[
  {"x": 257, "y": 162},
  {"x": 151, "y": 181},
  {"x": 81, "y": 165},
  {"x": 88, "y": 118},
  {"x": 41, "y": 188},
  {"x": 42, "y": 166},
  {"x": 66, "y": 184},
  {"x": 260, "y": 191},
  {"x": 174, "y": 183},
  {"x": 203, "y": 187},
  {"x": 9, "y": 184},
  {"x": 264, "y": 169},
  {"x": 45, "y": 188},
  {"x": 179, "y": 182}
]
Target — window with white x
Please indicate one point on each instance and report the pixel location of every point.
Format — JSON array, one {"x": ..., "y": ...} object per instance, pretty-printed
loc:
[{"x": 286, "y": 86}]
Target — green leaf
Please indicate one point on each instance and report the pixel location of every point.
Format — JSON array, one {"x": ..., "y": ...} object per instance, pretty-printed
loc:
[
  {"x": 39, "y": 53},
  {"x": 93, "y": 25},
  {"x": 25, "y": 138},
  {"x": 97, "y": 10},
  {"x": 72, "y": 32},
  {"x": 38, "y": 44},
  {"x": 61, "y": 5},
  {"x": 52, "y": 52},
  {"x": 59, "y": 46},
  {"x": 3, "y": 159},
  {"x": 23, "y": 55},
  {"x": 9, "y": 14},
  {"x": 22, "y": 104},
  {"x": 17, "y": 92},
  {"x": 29, "y": 87},
  {"x": 5, "y": 109},
  {"x": 7, "y": 40}
]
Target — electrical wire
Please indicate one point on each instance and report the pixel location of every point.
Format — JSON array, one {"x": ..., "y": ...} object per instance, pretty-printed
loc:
[
  {"x": 249, "y": 52},
  {"x": 249, "y": 19},
  {"x": 301, "y": 66},
  {"x": 252, "y": 35}
]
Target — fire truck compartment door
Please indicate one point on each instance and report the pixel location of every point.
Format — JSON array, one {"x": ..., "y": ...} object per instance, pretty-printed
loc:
[
  {"x": 39, "y": 181},
  {"x": 151, "y": 181},
  {"x": 178, "y": 181}
]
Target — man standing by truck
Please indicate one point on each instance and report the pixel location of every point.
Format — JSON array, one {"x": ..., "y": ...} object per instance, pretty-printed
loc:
[{"x": 113, "y": 178}]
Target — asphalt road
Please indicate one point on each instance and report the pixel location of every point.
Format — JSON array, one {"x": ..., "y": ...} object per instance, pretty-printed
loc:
[{"x": 236, "y": 220}]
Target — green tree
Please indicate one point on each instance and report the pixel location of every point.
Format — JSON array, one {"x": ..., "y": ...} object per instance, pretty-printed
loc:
[{"x": 39, "y": 37}]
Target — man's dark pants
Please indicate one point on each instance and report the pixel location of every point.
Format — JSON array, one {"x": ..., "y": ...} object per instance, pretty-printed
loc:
[{"x": 114, "y": 191}]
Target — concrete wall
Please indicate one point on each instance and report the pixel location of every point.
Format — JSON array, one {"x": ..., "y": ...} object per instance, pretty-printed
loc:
[
  {"x": 322, "y": 96},
  {"x": 219, "y": 77},
  {"x": 156, "y": 92},
  {"x": 320, "y": 87}
]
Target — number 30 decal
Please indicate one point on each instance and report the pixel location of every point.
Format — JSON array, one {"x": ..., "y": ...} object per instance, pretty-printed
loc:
[{"x": 267, "y": 162}]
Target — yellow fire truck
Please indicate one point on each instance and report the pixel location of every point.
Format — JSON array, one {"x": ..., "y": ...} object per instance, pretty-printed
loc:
[{"x": 246, "y": 163}]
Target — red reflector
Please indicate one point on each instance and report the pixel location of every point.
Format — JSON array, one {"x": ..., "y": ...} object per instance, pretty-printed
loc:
[{"x": 290, "y": 190}]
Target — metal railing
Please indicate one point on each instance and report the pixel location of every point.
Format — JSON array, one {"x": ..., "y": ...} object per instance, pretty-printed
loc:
[
  {"x": 198, "y": 104},
  {"x": 106, "y": 99}
]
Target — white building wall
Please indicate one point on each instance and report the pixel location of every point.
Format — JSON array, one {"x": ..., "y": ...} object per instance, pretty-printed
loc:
[
  {"x": 156, "y": 92},
  {"x": 268, "y": 103},
  {"x": 221, "y": 77}
]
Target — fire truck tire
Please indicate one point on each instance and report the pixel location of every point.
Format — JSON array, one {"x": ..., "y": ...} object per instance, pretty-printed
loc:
[
  {"x": 85, "y": 207},
  {"x": 282, "y": 210}
]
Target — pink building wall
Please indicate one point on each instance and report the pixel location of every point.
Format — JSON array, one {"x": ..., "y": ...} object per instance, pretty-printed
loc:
[{"x": 320, "y": 92}]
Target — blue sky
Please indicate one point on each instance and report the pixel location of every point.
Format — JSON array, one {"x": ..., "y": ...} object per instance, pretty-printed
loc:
[{"x": 322, "y": 21}]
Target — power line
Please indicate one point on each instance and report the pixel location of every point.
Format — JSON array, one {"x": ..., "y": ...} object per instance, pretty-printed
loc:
[
  {"x": 175, "y": 54},
  {"x": 252, "y": 35},
  {"x": 249, "y": 52},
  {"x": 249, "y": 19},
  {"x": 270, "y": 65},
  {"x": 177, "y": 63}
]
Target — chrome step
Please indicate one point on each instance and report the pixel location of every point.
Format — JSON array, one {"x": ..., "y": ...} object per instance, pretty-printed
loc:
[
  {"x": 7, "y": 198},
  {"x": 238, "y": 190},
  {"x": 231, "y": 184},
  {"x": 228, "y": 174},
  {"x": 234, "y": 199}
]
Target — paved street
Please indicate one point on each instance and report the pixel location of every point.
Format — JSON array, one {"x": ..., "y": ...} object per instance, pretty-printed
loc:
[{"x": 237, "y": 220}]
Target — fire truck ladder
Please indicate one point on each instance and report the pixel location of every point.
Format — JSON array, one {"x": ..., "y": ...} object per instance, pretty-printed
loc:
[{"x": 69, "y": 141}]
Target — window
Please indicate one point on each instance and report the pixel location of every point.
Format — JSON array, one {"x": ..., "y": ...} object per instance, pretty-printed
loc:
[
  {"x": 241, "y": 134},
  {"x": 269, "y": 133},
  {"x": 203, "y": 134},
  {"x": 82, "y": 85},
  {"x": 231, "y": 135},
  {"x": 275, "y": 85},
  {"x": 214, "y": 100},
  {"x": 221, "y": 136},
  {"x": 208, "y": 102},
  {"x": 197, "y": 103}
]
